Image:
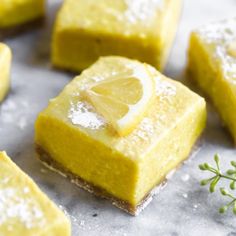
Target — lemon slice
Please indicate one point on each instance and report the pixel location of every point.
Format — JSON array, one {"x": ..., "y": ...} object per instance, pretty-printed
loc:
[
  {"x": 231, "y": 49},
  {"x": 123, "y": 99}
]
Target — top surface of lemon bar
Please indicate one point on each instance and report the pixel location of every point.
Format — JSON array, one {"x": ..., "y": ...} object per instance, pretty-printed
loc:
[
  {"x": 131, "y": 17},
  {"x": 219, "y": 39},
  {"x": 172, "y": 102},
  {"x": 25, "y": 210}
]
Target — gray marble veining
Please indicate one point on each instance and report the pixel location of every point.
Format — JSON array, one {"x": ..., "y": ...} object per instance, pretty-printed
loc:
[{"x": 183, "y": 208}]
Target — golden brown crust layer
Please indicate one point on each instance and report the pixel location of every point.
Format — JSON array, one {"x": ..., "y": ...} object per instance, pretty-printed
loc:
[
  {"x": 12, "y": 31},
  {"x": 133, "y": 210}
]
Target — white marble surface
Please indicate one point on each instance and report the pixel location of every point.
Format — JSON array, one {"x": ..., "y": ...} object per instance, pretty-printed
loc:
[{"x": 183, "y": 208}]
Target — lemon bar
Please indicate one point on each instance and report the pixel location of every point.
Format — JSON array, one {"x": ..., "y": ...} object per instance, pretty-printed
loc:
[
  {"x": 137, "y": 29},
  {"x": 25, "y": 210},
  {"x": 17, "y": 15},
  {"x": 212, "y": 65},
  {"x": 5, "y": 64},
  {"x": 118, "y": 129}
]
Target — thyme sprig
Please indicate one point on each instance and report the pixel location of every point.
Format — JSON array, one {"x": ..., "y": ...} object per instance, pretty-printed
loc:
[{"x": 230, "y": 176}]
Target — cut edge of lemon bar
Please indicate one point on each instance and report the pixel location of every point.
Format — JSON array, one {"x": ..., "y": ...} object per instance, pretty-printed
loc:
[{"x": 5, "y": 65}]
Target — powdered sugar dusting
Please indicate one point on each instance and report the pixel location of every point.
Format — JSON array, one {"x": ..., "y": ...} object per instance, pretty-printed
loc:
[
  {"x": 146, "y": 129},
  {"x": 220, "y": 36},
  {"x": 140, "y": 10},
  {"x": 165, "y": 89},
  {"x": 84, "y": 115},
  {"x": 219, "y": 32},
  {"x": 185, "y": 177},
  {"x": 14, "y": 113},
  {"x": 17, "y": 206},
  {"x": 228, "y": 63}
]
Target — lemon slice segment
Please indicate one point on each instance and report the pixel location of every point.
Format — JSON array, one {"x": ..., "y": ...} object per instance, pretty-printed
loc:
[{"x": 123, "y": 99}]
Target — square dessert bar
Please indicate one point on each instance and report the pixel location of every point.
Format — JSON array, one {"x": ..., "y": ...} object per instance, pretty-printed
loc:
[
  {"x": 137, "y": 29},
  {"x": 25, "y": 210},
  {"x": 212, "y": 65},
  {"x": 72, "y": 137},
  {"x": 5, "y": 64},
  {"x": 18, "y": 15}
]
